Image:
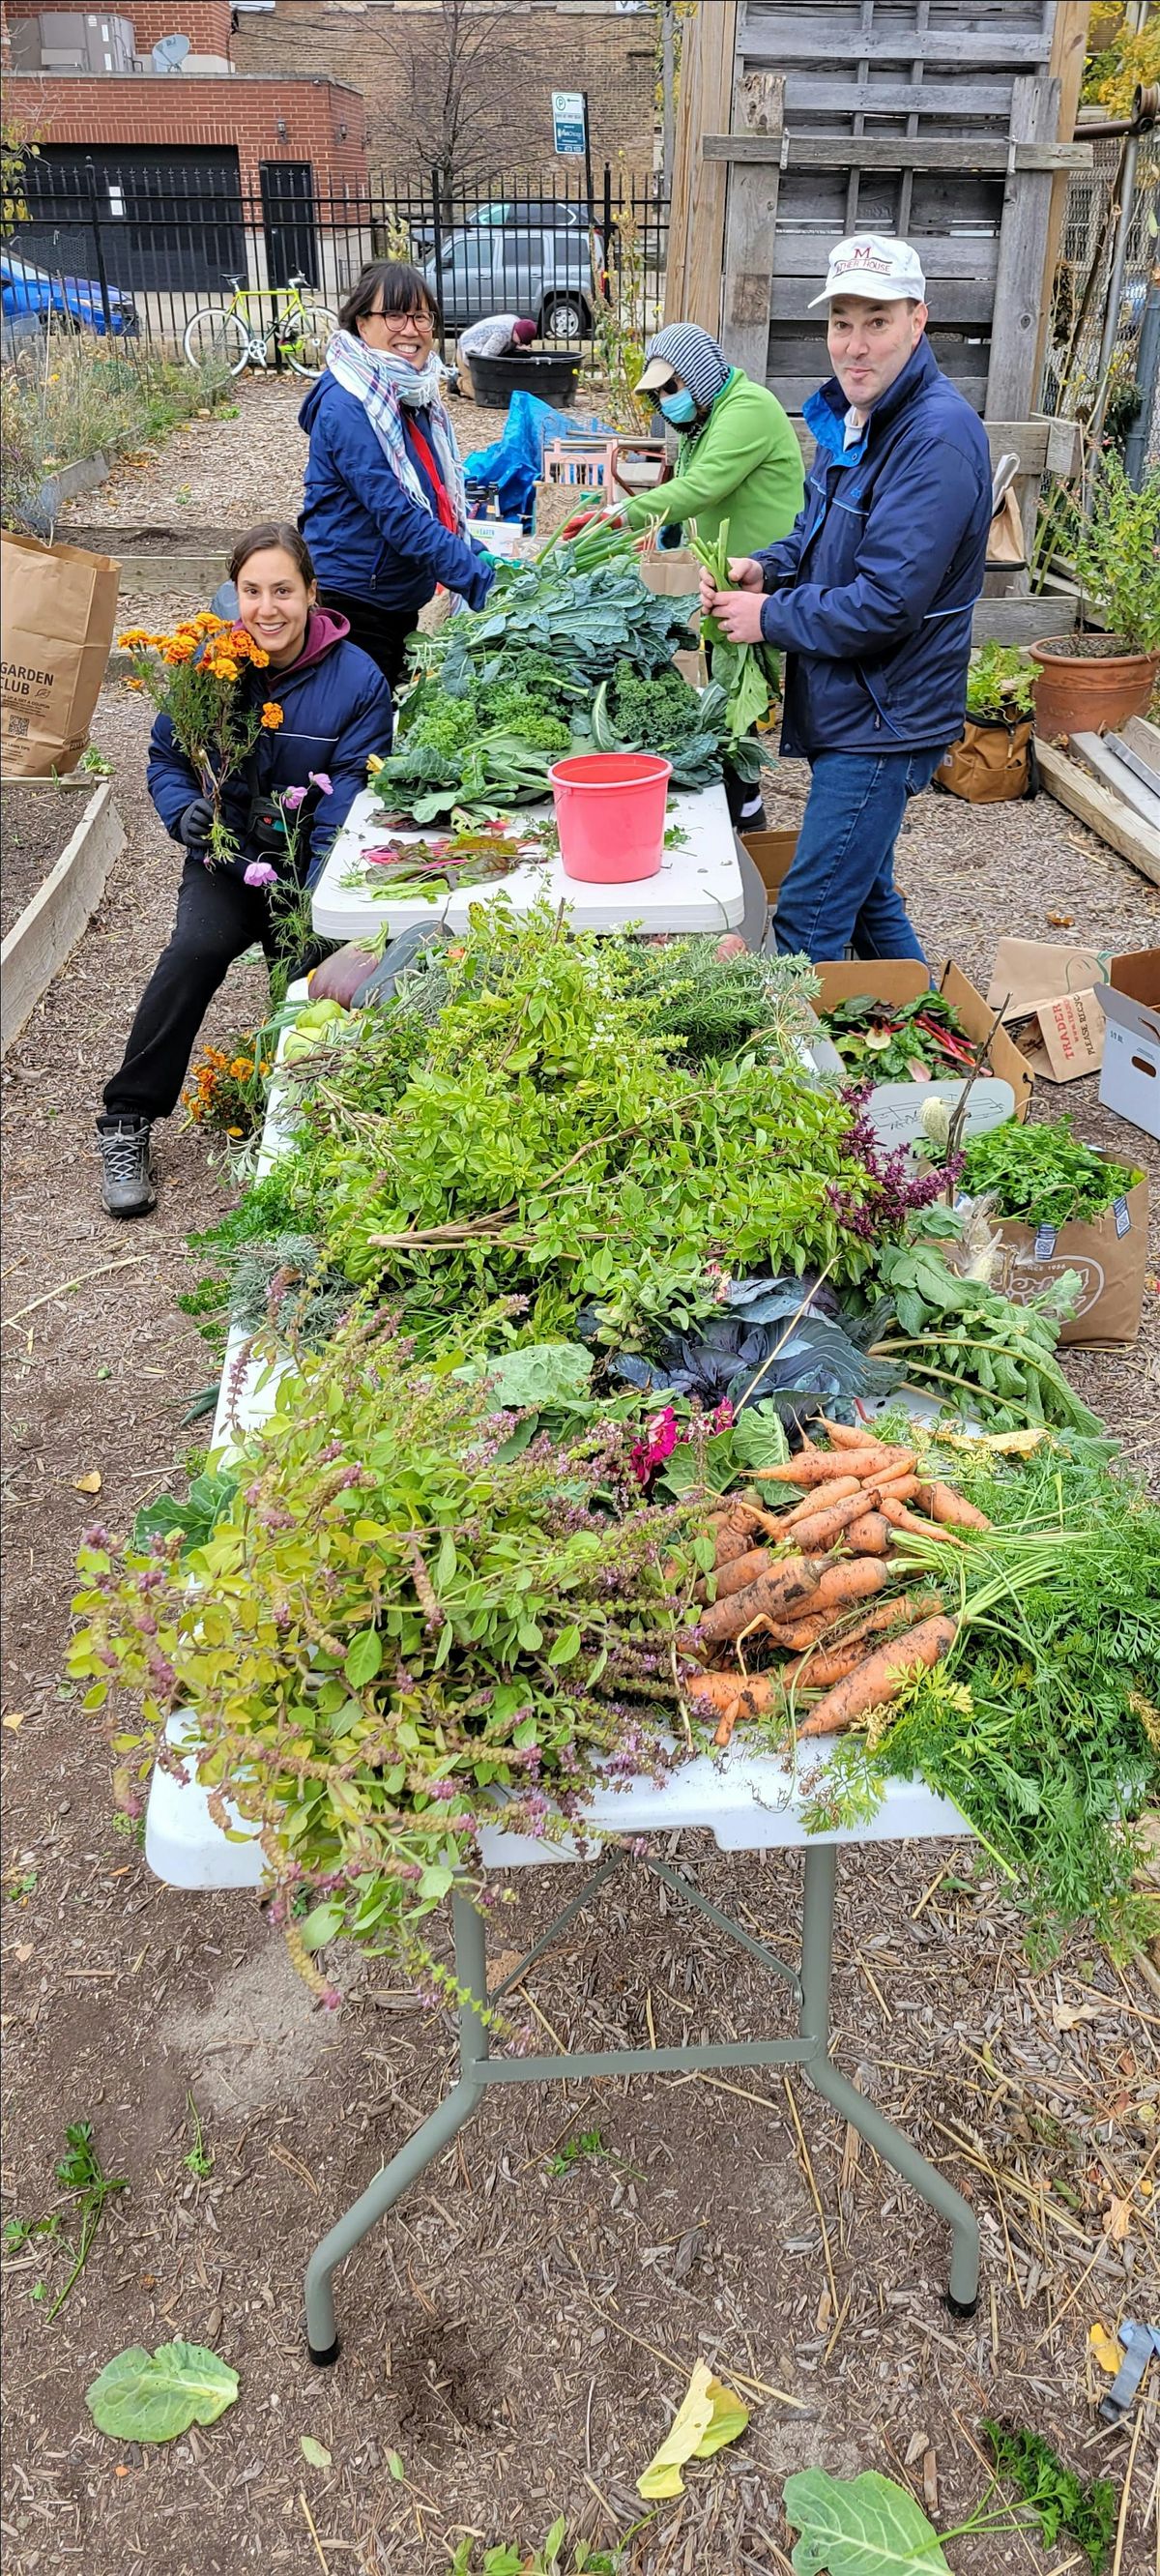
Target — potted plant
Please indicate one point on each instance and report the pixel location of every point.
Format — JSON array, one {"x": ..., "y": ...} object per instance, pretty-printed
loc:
[
  {"x": 992, "y": 764},
  {"x": 1091, "y": 682}
]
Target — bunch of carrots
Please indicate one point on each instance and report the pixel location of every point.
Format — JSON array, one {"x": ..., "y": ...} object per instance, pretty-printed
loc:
[{"x": 806, "y": 1578}]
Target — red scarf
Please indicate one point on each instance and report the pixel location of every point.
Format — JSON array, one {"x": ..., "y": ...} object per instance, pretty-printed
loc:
[{"x": 443, "y": 509}]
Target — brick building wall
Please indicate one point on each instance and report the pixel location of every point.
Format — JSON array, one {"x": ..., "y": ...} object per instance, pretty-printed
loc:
[
  {"x": 267, "y": 119},
  {"x": 549, "y": 44}
]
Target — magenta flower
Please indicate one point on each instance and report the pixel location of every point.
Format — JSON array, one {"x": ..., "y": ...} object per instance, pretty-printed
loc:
[
  {"x": 650, "y": 1453},
  {"x": 260, "y": 873},
  {"x": 293, "y": 797},
  {"x": 320, "y": 779}
]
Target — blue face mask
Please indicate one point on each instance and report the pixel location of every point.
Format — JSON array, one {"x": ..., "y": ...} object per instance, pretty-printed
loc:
[{"x": 680, "y": 408}]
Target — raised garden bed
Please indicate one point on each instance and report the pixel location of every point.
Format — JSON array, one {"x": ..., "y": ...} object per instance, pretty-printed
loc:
[{"x": 58, "y": 848}]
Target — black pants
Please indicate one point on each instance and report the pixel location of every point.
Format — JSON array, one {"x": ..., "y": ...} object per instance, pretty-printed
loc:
[
  {"x": 381, "y": 632},
  {"x": 218, "y": 918}
]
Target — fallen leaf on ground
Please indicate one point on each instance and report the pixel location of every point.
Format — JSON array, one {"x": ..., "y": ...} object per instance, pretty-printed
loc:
[
  {"x": 14, "y": 1719},
  {"x": 315, "y": 2452},
  {"x": 1061, "y": 920},
  {"x": 144, "y": 2396},
  {"x": 1104, "y": 2349},
  {"x": 1066, "y": 2016},
  {"x": 90, "y": 1484},
  {"x": 709, "y": 2416},
  {"x": 1117, "y": 2220}
]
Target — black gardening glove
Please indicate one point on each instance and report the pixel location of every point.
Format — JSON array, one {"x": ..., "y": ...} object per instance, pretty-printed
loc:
[{"x": 194, "y": 825}]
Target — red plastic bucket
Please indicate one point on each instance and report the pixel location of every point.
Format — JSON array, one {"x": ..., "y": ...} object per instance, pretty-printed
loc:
[{"x": 610, "y": 809}]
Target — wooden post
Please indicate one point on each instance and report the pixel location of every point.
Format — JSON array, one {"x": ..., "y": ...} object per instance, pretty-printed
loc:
[
  {"x": 697, "y": 216},
  {"x": 751, "y": 226},
  {"x": 1068, "y": 51},
  {"x": 1011, "y": 382}
]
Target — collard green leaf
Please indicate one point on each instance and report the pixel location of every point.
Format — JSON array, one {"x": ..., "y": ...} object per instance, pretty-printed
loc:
[
  {"x": 863, "y": 2526},
  {"x": 143, "y": 2396}
]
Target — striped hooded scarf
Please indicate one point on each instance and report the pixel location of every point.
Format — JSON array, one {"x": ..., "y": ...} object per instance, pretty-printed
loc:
[{"x": 694, "y": 357}]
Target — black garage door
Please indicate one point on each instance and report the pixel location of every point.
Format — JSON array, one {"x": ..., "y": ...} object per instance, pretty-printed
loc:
[{"x": 166, "y": 220}]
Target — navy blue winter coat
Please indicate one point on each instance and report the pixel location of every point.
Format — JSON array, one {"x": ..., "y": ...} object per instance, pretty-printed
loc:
[
  {"x": 364, "y": 534},
  {"x": 872, "y": 590},
  {"x": 336, "y": 712}
]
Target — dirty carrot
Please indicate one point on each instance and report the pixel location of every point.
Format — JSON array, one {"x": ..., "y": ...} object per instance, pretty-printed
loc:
[
  {"x": 904, "y": 1612},
  {"x": 898, "y": 1516},
  {"x": 740, "y": 1571},
  {"x": 823, "y": 1664},
  {"x": 820, "y": 1529},
  {"x": 943, "y": 1504},
  {"x": 846, "y": 1435},
  {"x": 846, "y": 1581},
  {"x": 791, "y": 1580},
  {"x": 870, "y": 1536},
  {"x": 821, "y": 1498},
  {"x": 817, "y": 1469},
  {"x": 903, "y": 1488},
  {"x": 881, "y": 1676}
]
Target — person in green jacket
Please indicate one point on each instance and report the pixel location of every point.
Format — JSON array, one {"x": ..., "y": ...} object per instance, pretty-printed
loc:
[{"x": 739, "y": 464}]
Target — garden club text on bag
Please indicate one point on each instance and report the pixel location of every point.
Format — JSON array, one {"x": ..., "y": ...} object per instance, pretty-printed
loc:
[{"x": 58, "y": 608}]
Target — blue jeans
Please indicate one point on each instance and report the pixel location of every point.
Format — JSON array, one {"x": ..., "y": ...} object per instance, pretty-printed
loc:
[{"x": 840, "y": 892}]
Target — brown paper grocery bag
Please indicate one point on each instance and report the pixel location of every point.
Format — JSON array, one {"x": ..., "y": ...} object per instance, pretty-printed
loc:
[
  {"x": 1110, "y": 1253},
  {"x": 58, "y": 608}
]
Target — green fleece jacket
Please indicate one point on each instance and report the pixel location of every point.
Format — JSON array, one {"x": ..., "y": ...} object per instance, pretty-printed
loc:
[{"x": 743, "y": 464}]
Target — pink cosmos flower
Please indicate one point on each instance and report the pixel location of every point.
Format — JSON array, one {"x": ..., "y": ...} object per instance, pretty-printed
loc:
[
  {"x": 319, "y": 778},
  {"x": 260, "y": 873},
  {"x": 293, "y": 797}
]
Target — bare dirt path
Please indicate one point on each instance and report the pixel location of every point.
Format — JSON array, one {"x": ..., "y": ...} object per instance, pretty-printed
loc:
[{"x": 518, "y": 2334}]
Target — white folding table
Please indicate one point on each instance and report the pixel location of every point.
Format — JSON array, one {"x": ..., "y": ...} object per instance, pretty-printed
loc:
[
  {"x": 698, "y": 886},
  {"x": 747, "y": 1801}
]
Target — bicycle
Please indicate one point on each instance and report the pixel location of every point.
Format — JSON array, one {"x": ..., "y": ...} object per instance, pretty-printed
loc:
[{"x": 226, "y": 333}]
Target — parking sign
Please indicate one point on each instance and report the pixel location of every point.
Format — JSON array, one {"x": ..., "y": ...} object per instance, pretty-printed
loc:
[{"x": 568, "y": 120}]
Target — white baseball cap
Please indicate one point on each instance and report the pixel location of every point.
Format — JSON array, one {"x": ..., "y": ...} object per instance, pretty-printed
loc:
[{"x": 884, "y": 271}]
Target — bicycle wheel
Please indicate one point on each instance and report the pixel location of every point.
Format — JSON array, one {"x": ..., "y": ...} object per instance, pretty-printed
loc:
[
  {"x": 306, "y": 338},
  {"x": 216, "y": 337}
]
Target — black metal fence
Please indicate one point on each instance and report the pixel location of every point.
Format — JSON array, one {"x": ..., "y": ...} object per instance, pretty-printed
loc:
[{"x": 134, "y": 244}]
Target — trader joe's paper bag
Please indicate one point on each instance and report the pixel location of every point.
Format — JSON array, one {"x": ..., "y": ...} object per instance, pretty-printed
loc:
[
  {"x": 1049, "y": 987},
  {"x": 58, "y": 606}
]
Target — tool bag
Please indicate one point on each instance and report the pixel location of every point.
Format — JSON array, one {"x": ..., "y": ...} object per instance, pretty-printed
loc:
[{"x": 994, "y": 764}]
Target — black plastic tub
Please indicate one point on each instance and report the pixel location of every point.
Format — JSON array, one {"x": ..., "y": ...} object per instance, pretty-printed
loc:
[{"x": 552, "y": 377}]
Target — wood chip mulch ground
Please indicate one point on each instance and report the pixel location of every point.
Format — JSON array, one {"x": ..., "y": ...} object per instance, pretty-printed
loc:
[{"x": 518, "y": 2334}]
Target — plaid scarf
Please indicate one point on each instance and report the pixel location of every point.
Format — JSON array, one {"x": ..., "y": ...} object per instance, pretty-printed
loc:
[{"x": 383, "y": 386}]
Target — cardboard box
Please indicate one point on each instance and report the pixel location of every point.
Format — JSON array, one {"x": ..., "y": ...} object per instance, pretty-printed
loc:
[
  {"x": 1110, "y": 1254},
  {"x": 895, "y": 1106},
  {"x": 1130, "y": 1079},
  {"x": 1049, "y": 991},
  {"x": 693, "y": 667},
  {"x": 673, "y": 575},
  {"x": 772, "y": 855}
]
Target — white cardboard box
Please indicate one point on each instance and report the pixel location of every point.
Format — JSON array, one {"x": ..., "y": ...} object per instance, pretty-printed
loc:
[{"x": 1130, "y": 1076}]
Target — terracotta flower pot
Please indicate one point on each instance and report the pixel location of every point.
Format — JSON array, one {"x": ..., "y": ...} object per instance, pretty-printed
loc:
[{"x": 1089, "y": 692}]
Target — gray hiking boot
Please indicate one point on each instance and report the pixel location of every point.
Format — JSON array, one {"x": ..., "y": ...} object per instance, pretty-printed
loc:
[{"x": 128, "y": 1180}]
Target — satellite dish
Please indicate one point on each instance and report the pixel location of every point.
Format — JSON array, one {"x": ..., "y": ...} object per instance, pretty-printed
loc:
[{"x": 169, "y": 53}]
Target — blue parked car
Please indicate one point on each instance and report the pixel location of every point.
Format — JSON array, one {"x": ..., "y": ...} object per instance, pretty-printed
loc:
[{"x": 32, "y": 292}]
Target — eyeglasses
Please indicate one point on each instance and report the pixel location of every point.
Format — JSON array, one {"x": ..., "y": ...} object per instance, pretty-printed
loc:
[{"x": 397, "y": 321}]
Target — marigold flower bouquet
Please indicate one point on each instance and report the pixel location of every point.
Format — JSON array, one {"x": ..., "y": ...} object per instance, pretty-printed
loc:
[
  {"x": 228, "y": 1089},
  {"x": 193, "y": 676}
]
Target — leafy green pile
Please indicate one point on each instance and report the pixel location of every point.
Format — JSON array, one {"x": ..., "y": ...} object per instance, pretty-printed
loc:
[
  {"x": 750, "y": 674},
  {"x": 391, "y": 1619},
  {"x": 1043, "y": 1173},
  {"x": 994, "y": 1360},
  {"x": 712, "y": 1005},
  {"x": 584, "y": 622},
  {"x": 547, "y": 1144},
  {"x": 1044, "y": 1726},
  {"x": 916, "y": 1041},
  {"x": 662, "y": 715}
]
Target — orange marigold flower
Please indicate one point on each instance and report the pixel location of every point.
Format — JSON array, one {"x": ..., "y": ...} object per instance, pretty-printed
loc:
[
  {"x": 134, "y": 684},
  {"x": 272, "y": 715},
  {"x": 258, "y": 657},
  {"x": 134, "y": 635},
  {"x": 235, "y": 1131},
  {"x": 241, "y": 1068}
]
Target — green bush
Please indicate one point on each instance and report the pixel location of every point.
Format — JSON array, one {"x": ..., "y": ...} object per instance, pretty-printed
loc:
[{"x": 74, "y": 397}]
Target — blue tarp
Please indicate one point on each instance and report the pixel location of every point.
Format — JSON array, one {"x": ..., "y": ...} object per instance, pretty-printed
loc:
[{"x": 515, "y": 462}]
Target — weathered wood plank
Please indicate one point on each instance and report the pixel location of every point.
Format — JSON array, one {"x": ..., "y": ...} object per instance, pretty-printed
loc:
[
  {"x": 777, "y": 40},
  {"x": 751, "y": 228},
  {"x": 1042, "y": 446},
  {"x": 48, "y": 929},
  {"x": 1069, "y": 35},
  {"x": 1007, "y": 621},
  {"x": 1071, "y": 786},
  {"x": 955, "y": 302},
  {"x": 834, "y": 97},
  {"x": 982, "y": 153},
  {"x": 793, "y": 391},
  {"x": 1144, "y": 739},
  {"x": 697, "y": 225},
  {"x": 1019, "y": 286},
  {"x": 803, "y": 253},
  {"x": 1114, "y": 774},
  {"x": 793, "y": 352}
]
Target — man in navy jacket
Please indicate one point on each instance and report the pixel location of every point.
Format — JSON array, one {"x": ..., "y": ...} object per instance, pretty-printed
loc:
[{"x": 870, "y": 598}]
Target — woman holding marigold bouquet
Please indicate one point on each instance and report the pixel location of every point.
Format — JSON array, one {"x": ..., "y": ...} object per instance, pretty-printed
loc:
[{"x": 260, "y": 745}]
